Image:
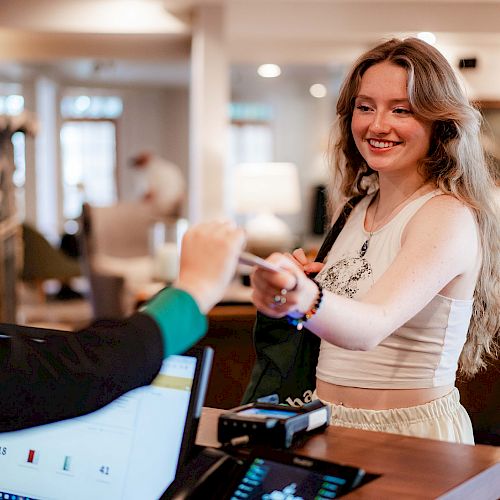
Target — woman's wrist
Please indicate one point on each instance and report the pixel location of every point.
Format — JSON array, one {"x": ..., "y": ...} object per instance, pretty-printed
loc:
[
  {"x": 311, "y": 295},
  {"x": 179, "y": 318},
  {"x": 298, "y": 317},
  {"x": 197, "y": 292}
]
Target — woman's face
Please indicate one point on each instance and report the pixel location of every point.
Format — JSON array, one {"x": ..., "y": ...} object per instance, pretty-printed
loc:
[{"x": 386, "y": 132}]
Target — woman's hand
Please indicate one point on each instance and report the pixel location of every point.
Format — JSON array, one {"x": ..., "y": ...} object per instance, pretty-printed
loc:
[
  {"x": 308, "y": 266},
  {"x": 277, "y": 294},
  {"x": 209, "y": 257}
]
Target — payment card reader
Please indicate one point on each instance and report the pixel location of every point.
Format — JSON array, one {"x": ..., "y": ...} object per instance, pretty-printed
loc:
[{"x": 271, "y": 424}]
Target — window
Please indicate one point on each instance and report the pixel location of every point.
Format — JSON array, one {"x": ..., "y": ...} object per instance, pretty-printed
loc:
[
  {"x": 88, "y": 164},
  {"x": 250, "y": 134},
  {"x": 88, "y": 151}
]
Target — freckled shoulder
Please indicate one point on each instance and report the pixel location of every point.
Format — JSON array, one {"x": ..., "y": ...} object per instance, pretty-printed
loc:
[
  {"x": 447, "y": 207},
  {"x": 443, "y": 230},
  {"x": 444, "y": 217}
]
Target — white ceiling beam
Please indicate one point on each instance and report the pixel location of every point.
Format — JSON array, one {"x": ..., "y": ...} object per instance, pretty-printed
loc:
[
  {"x": 25, "y": 46},
  {"x": 91, "y": 16}
]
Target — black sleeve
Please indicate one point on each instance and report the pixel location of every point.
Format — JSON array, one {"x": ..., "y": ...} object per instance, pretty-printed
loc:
[{"x": 48, "y": 375}]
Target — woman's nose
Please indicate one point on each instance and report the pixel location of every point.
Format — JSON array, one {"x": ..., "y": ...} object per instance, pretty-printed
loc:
[{"x": 380, "y": 124}]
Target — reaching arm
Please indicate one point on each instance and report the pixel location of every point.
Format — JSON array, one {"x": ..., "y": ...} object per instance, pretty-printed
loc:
[
  {"x": 440, "y": 245},
  {"x": 48, "y": 375}
]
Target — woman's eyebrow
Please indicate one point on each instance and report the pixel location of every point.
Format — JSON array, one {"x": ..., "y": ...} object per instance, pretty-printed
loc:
[{"x": 399, "y": 100}]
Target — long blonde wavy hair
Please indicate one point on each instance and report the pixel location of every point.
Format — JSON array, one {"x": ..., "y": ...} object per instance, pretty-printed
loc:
[{"x": 455, "y": 163}]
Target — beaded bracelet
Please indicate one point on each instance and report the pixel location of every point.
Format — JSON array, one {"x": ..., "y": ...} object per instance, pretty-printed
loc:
[{"x": 299, "y": 322}]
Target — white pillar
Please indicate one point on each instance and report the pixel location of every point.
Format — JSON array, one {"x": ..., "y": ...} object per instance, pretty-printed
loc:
[
  {"x": 30, "y": 194},
  {"x": 48, "y": 182},
  {"x": 209, "y": 102}
]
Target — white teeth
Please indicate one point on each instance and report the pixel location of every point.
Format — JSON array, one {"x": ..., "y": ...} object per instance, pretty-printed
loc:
[{"x": 381, "y": 144}]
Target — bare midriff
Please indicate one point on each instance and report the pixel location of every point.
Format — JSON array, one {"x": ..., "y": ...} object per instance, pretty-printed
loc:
[{"x": 378, "y": 399}]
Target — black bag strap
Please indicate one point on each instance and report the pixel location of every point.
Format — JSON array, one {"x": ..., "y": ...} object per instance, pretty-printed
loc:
[{"x": 336, "y": 228}]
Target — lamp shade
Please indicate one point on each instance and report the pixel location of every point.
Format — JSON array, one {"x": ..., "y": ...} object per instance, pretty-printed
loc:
[{"x": 267, "y": 187}]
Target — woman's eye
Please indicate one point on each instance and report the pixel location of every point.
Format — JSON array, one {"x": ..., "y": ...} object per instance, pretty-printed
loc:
[
  {"x": 402, "y": 111},
  {"x": 362, "y": 107}
]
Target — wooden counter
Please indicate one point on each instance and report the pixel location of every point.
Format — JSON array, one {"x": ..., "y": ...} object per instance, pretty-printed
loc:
[{"x": 410, "y": 468}]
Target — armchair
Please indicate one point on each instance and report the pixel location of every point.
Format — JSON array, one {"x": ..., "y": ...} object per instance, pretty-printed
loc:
[
  {"x": 41, "y": 261},
  {"x": 115, "y": 255}
]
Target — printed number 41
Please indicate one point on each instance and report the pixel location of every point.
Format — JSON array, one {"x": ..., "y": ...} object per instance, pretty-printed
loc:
[{"x": 104, "y": 470}]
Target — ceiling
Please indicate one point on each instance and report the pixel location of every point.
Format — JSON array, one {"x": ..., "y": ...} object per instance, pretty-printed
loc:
[{"x": 147, "y": 42}]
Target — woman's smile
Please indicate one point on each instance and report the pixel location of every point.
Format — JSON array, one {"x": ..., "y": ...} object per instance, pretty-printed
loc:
[{"x": 382, "y": 145}]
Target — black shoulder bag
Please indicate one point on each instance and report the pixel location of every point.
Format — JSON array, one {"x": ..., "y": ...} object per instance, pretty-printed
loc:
[{"x": 286, "y": 359}]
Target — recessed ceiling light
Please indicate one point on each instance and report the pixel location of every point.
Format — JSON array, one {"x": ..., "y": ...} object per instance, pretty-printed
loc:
[
  {"x": 318, "y": 90},
  {"x": 428, "y": 37},
  {"x": 269, "y": 70}
]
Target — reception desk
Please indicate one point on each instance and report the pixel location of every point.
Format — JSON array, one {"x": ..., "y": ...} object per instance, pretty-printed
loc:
[{"x": 409, "y": 468}]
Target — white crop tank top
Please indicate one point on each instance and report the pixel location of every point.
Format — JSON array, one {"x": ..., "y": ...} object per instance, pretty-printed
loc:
[{"x": 424, "y": 352}]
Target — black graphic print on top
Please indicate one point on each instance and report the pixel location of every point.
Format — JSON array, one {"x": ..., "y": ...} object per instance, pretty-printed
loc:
[{"x": 344, "y": 277}]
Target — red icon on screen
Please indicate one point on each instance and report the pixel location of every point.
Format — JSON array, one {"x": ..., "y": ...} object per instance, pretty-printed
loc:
[{"x": 33, "y": 456}]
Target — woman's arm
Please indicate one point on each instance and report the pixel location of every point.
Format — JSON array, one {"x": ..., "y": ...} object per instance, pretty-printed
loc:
[
  {"x": 48, "y": 375},
  {"x": 440, "y": 244}
]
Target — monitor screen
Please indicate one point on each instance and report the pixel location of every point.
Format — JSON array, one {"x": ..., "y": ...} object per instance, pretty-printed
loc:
[{"x": 129, "y": 449}]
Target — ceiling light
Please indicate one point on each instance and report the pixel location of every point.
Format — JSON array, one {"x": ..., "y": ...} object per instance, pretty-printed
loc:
[
  {"x": 318, "y": 90},
  {"x": 428, "y": 37},
  {"x": 269, "y": 70}
]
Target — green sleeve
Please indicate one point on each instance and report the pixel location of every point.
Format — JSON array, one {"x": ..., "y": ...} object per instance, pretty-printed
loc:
[{"x": 180, "y": 320}]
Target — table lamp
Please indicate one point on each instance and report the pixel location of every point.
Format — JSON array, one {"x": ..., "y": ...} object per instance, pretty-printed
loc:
[{"x": 261, "y": 191}]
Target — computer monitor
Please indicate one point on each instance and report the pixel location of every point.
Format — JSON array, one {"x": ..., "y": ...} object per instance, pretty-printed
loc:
[{"x": 129, "y": 449}]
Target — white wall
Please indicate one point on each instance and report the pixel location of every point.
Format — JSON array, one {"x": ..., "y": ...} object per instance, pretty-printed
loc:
[
  {"x": 482, "y": 82},
  {"x": 153, "y": 120}
]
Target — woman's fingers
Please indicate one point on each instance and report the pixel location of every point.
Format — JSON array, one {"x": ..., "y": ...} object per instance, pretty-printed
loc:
[
  {"x": 300, "y": 256},
  {"x": 272, "y": 299},
  {"x": 313, "y": 267},
  {"x": 308, "y": 266},
  {"x": 262, "y": 279},
  {"x": 267, "y": 305},
  {"x": 292, "y": 258}
]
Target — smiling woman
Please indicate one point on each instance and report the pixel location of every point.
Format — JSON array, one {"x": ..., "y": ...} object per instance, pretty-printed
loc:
[{"x": 408, "y": 294}]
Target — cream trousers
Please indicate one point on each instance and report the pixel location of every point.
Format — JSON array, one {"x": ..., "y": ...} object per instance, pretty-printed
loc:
[{"x": 444, "y": 419}]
